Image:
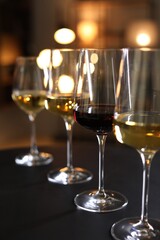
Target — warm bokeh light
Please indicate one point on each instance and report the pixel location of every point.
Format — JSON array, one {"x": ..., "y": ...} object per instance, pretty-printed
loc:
[
  {"x": 9, "y": 49},
  {"x": 143, "y": 39},
  {"x": 46, "y": 56},
  {"x": 87, "y": 31},
  {"x": 94, "y": 58},
  {"x": 142, "y": 33},
  {"x": 88, "y": 68},
  {"x": 56, "y": 58},
  {"x": 65, "y": 84},
  {"x": 43, "y": 59},
  {"x": 43, "y": 62},
  {"x": 64, "y": 36},
  {"x": 80, "y": 85}
]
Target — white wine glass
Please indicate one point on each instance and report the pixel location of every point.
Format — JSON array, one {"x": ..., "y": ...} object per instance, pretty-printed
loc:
[
  {"x": 28, "y": 92},
  {"x": 60, "y": 100},
  {"x": 137, "y": 124},
  {"x": 94, "y": 109}
]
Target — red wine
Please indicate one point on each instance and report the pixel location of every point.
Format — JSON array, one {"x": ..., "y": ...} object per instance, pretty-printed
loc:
[{"x": 97, "y": 118}]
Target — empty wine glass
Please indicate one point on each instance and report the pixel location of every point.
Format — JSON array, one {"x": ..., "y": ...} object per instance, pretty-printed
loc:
[
  {"x": 60, "y": 100},
  {"x": 137, "y": 124},
  {"x": 94, "y": 109},
  {"x": 29, "y": 94}
]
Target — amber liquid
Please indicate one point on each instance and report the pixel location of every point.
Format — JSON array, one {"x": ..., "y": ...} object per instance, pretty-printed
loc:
[
  {"x": 31, "y": 102},
  {"x": 139, "y": 130},
  {"x": 62, "y": 105}
]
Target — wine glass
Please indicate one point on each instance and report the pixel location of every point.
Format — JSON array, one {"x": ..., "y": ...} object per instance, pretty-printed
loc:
[
  {"x": 94, "y": 109},
  {"x": 60, "y": 100},
  {"x": 137, "y": 124},
  {"x": 29, "y": 94}
]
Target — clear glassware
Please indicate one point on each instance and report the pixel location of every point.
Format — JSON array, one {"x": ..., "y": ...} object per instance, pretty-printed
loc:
[
  {"x": 60, "y": 100},
  {"x": 94, "y": 109},
  {"x": 137, "y": 124},
  {"x": 29, "y": 94}
]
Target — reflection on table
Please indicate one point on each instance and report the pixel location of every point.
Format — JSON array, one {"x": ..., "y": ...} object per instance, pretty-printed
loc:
[{"x": 33, "y": 208}]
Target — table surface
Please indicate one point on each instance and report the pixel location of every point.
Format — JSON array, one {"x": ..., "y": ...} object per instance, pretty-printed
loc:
[{"x": 31, "y": 208}]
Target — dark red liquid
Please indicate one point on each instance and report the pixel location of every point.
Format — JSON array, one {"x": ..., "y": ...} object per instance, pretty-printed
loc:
[{"x": 95, "y": 118}]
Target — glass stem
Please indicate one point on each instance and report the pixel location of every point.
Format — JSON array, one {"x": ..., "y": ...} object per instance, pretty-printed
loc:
[
  {"x": 33, "y": 146},
  {"x": 69, "y": 144},
  {"x": 101, "y": 142},
  {"x": 146, "y": 159}
]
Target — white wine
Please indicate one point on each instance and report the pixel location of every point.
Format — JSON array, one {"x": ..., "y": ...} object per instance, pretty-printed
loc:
[
  {"x": 141, "y": 131},
  {"x": 30, "y": 101},
  {"x": 62, "y": 105}
]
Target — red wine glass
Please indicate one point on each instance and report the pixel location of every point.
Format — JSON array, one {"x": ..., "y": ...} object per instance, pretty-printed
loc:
[{"x": 94, "y": 109}]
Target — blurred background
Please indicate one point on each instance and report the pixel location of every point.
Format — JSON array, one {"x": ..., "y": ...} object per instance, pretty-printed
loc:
[{"x": 28, "y": 27}]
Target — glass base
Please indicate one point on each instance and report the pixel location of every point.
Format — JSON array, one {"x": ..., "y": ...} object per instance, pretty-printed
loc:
[
  {"x": 93, "y": 201},
  {"x": 34, "y": 160},
  {"x": 133, "y": 229},
  {"x": 67, "y": 176}
]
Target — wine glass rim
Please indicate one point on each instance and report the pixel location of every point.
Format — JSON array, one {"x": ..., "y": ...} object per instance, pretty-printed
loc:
[
  {"x": 143, "y": 49},
  {"x": 66, "y": 49},
  {"x": 81, "y": 49},
  {"x": 102, "y": 49},
  {"x": 26, "y": 57},
  {"x": 123, "y": 48}
]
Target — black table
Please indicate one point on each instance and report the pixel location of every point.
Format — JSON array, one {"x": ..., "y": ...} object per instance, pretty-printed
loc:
[{"x": 31, "y": 208}]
